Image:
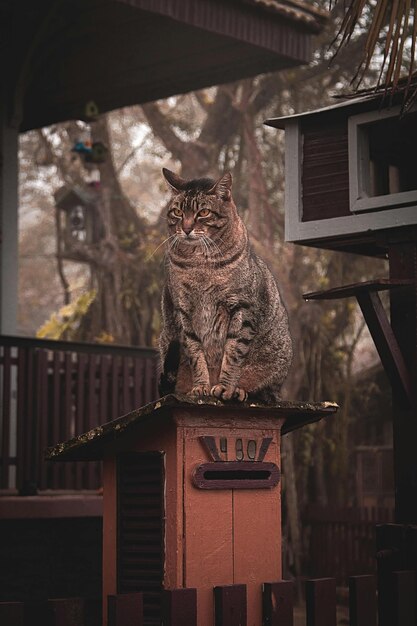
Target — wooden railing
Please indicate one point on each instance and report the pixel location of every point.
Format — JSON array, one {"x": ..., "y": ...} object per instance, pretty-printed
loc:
[
  {"x": 52, "y": 390},
  {"x": 342, "y": 540}
]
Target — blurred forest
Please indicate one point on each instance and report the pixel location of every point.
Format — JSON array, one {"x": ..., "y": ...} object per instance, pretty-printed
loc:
[{"x": 96, "y": 275}]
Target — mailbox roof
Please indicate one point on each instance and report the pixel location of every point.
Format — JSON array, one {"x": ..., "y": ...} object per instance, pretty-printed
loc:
[{"x": 93, "y": 444}]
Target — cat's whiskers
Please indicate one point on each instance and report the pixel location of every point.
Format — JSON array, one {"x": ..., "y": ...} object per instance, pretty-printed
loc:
[
  {"x": 148, "y": 258},
  {"x": 213, "y": 248}
]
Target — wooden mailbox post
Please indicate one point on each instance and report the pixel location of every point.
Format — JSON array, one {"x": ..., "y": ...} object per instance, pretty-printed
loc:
[{"x": 191, "y": 494}]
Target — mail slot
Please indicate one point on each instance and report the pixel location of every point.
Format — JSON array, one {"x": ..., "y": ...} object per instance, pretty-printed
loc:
[{"x": 236, "y": 475}]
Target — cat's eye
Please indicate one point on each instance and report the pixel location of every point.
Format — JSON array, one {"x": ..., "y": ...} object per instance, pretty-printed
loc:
[
  {"x": 204, "y": 213},
  {"x": 177, "y": 212}
]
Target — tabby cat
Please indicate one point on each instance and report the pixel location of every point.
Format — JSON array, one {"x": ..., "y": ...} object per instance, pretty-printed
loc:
[{"x": 225, "y": 330}]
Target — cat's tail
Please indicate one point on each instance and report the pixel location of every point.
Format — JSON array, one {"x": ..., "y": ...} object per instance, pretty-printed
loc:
[{"x": 168, "y": 378}]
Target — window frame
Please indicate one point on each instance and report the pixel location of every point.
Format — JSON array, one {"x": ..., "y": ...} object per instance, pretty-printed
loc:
[{"x": 358, "y": 150}]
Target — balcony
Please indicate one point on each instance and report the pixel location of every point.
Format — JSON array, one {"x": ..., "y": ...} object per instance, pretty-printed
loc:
[{"x": 52, "y": 390}]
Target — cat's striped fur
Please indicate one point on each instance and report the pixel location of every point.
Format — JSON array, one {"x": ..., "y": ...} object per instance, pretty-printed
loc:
[{"x": 225, "y": 329}]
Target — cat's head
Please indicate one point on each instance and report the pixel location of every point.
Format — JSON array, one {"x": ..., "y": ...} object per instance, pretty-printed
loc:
[{"x": 199, "y": 208}]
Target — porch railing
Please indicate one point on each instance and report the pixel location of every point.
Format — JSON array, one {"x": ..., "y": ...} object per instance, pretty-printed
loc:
[{"x": 52, "y": 390}]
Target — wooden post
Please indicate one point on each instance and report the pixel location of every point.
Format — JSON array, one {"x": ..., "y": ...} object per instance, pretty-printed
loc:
[
  {"x": 11, "y": 613},
  {"x": 230, "y": 605},
  {"x": 362, "y": 601},
  {"x": 321, "y": 602},
  {"x": 278, "y": 600},
  {"x": 404, "y": 601},
  {"x": 403, "y": 264},
  {"x": 66, "y": 612},
  {"x": 179, "y": 606},
  {"x": 8, "y": 221},
  {"x": 125, "y": 609}
]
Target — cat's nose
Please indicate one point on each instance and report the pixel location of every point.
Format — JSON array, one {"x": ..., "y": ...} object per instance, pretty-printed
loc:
[{"x": 187, "y": 228}]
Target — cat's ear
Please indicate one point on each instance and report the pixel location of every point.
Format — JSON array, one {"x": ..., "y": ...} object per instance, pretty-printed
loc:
[
  {"x": 223, "y": 187},
  {"x": 176, "y": 183}
]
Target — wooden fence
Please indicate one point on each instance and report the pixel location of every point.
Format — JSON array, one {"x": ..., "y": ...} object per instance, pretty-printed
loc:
[
  {"x": 342, "y": 540},
  {"x": 179, "y": 606},
  {"x": 52, "y": 390}
]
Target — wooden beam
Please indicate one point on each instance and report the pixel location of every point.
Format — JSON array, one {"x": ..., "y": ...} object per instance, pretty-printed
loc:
[
  {"x": 379, "y": 326},
  {"x": 386, "y": 343},
  {"x": 8, "y": 222}
]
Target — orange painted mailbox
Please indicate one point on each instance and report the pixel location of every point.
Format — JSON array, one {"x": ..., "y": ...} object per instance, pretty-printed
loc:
[{"x": 191, "y": 494}]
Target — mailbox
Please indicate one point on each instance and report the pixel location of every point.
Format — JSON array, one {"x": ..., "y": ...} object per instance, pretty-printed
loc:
[{"x": 191, "y": 493}]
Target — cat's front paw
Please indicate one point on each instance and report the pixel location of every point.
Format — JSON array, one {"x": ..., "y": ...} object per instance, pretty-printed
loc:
[
  {"x": 200, "y": 390},
  {"x": 228, "y": 392}
]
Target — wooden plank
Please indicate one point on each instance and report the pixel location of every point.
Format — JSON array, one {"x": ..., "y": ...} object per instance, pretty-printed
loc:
[
  {"x": 5, "y": 449},
  {"x": 56, "y": 410},
  {"x": 362, "y": 601},
  {"x": 354, "y": 289},
  {"x": 42, "y": 418},
  {"x": 21, "y": 400},
  {"x": 92, "y": 410},
  {"x": 125, "y": 609},
  {"x": 79, "y": 417},
  {"x": 386, "y": 344},
  {"x": 66, "y": 419},
  {"x": 278, "y": 603},
  {"x": 103, "y": 390},
  {"x": 66, "y": 612},
  {"x": 11, "y": 613},
  {"x": 29, "y": 480},
  {"x": 138, "y": 372},
  {"x": 404, "y": 604},
  {"x": 179, "y": 607},
  {"x": 321, "y": 602},
  {"x": 230, "y": 605},
  {"x": 114, "y": 388},
  {"x": 150, "y": 381},
  {"x": 126, "y": 404}
]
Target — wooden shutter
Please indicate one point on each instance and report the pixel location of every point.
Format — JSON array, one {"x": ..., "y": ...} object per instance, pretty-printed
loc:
[{"x": 140, "y": 546}]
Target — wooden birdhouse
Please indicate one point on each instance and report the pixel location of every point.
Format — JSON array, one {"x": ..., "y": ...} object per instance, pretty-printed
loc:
[
  {"x": 77, "y": 220},
  {"x": 350, "y": 175},
  {"x": 192, "y": 497}
]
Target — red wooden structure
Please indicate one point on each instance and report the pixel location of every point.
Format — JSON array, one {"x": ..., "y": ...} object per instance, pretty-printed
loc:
[{"x": 192, "y": 500}]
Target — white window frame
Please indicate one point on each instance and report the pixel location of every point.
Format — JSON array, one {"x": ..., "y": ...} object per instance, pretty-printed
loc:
[
  {"x": 305, "y": 232},
  {"x": 359, "y": 175}
]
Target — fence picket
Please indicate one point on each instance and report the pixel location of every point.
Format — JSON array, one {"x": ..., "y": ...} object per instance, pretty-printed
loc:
[
  {"x": 5, "y": 421},
  {"x": 21, "y": 398},
  {"x": 362, "y": 601},
  {"x": 63, "y": 389},
  {"x": 55, "y": 404},
  {"x": 66, "y": 612},
  {"x": 179, "y": 607},
  {"x": 11, "y": 613},
  {"x": 321, "y": 602},
  {"x": 230, "y": 605},
  {"x": 125, "y": 609},
  {"x": 277, "y": 603},
  {"x": 404, "y": 598}
]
